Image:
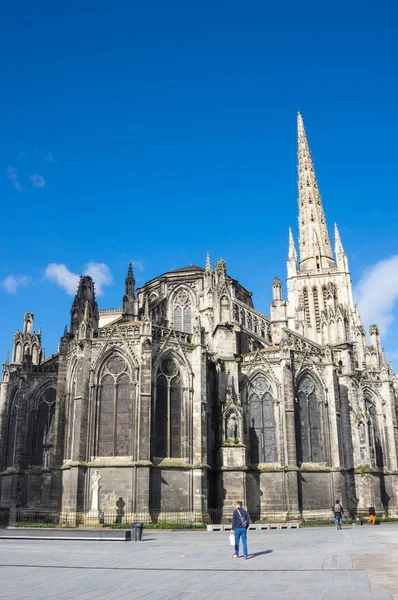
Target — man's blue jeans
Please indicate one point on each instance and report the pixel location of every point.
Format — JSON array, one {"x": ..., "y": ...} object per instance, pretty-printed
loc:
[{"x": 240, "y": 532}]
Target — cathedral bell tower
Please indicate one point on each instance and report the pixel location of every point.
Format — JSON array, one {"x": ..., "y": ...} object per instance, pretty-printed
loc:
[{"x": 320, "y": 304}]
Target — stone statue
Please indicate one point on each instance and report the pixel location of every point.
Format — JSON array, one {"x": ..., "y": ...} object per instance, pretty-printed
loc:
[
  {"x": 229, "y": 388},
  {"x": 96, "y": 479},
  {"x": 232, "y": 427},
  {"x": 95, "y": 488}
]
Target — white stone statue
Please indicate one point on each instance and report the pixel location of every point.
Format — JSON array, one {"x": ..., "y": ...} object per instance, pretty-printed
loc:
[
  {"x": 231, "y": 427},
  {"x": 95, "y": 488}
]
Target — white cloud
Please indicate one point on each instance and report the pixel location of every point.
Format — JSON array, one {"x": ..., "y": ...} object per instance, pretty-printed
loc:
[
  {"x": 12, "y": 176},
  {"x": 38, "y": 181},
  {"x": 49, "y": 157},
  {"x": 12, "y": 282},
  {"x": 377, "y": 294},
  {"x": 138, "y": 265},
  {"x": 101, "y": 274},
  {"x": 68, "y": 281},
  {"x": 61, "y": 275}
]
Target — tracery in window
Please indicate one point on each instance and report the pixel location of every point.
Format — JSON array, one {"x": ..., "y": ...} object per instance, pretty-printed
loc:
[
  {"x": 182, "y": 312},
  {"x": 166, "y": 427},
  {"x": 310, "y": 446},
  {"x": 114, "y": 428},
  {"x": 261, "y": 416},
  {"x": 43, "y": 436}
]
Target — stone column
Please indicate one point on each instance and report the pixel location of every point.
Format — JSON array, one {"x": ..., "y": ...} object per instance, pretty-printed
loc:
[
  {"x": 292, "y": 471},
  {"x": 73, "y": 473},
  {"x": 142, "y": 451}
]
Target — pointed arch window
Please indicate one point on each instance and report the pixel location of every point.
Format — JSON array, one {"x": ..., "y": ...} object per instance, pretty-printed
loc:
[
  {"x": 306, "y": 306},
  {"x": 261, "y": 416},
  {"x": 309, "y": 436},
  {"x": 11, "y": 432},
  {"x": 43, "y": 434},
  {"x": 114, "y": 423},
  {"x": 167, "y": 421},
  {"x": 375, "y": 443},
  {"x": 18, "y": 353},
  {"x": 182, "y": 312}
]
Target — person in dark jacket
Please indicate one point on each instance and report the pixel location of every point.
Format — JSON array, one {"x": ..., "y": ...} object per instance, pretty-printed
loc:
[{"x": 240, "y": 523}]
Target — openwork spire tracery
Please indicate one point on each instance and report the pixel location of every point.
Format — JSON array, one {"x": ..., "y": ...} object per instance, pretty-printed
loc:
[{"x": 315, "y": 248}]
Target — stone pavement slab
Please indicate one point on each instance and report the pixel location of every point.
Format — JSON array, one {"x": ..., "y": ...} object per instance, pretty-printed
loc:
[{"x": 311, "y": 563}]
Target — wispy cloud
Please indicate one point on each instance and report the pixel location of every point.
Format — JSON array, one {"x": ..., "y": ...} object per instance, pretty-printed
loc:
[
  {"x": 49, "y": 157},
  {"x": 68, "y": 281},
  {"x": 101, "y": 274},
  {"x": 138, "y": 265},
  {"x": 21, "y": 154},
  {"x": 61, "y": 275},
  {"x": 12, "y": 176},
  {"x": 12, "y": 282},
  {"x": 377, "y": 294},
  {"x": 38, "y": 181}
]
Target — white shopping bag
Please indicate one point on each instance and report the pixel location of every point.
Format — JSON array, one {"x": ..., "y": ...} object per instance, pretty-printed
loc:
[{"x": 232, "y": 539}]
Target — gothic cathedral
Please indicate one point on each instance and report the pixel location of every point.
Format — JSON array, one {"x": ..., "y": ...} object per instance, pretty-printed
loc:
[{"x": 187, "y": 398}]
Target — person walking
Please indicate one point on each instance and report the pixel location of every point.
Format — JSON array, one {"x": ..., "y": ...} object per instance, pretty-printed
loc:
[
  {"x": 338, "y": 513},
  {"x": 240, "y": 524}
]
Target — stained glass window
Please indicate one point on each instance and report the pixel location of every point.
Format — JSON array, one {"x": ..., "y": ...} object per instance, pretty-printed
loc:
[
  {"x": 182, "y": 313},
  {"x": 262, "y": 439},
  {"x": 310, "y": 446},
  {"x": 114, "y": 429},
  {"x": 166, "y": 431}
]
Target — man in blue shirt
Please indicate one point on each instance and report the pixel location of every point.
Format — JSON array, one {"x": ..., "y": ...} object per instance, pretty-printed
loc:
[{"x": 240, "y": 523}]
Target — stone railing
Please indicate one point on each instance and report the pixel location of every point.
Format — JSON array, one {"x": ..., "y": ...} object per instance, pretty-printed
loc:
[
  {"x": 109, "y": 311},
  {"x": 105, "y": 332},
  {"x": 160, "y": 333}
]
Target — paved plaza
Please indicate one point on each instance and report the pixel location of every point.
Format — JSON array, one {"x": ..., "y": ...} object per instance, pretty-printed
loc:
[{"x": 311, "y": 563}]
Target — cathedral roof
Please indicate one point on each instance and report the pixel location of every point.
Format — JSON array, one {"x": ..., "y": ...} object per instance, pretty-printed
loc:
[{"x": 188, "y": 268}]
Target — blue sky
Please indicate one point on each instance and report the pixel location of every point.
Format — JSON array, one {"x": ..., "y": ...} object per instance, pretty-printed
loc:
[{"x": 156, "y": 131}]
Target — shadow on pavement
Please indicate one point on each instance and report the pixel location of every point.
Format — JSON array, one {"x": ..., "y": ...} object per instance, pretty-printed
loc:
[{"x": 259, "y": 553}]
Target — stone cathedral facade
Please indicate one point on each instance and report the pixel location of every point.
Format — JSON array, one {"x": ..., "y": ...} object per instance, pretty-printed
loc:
[{"x": 187, "y": 398}]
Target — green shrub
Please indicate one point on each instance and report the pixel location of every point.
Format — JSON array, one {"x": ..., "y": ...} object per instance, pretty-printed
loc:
[{"x": 162, "y": 525}]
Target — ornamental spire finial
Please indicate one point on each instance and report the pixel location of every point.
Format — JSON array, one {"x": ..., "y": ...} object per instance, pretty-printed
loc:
[
  {"x": 292, "y": 247},
  {"x": 208, "y": 262},
  {"x": 315, "y": 249}
]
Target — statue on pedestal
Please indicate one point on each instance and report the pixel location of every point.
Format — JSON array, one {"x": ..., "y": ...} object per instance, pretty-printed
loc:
[{"x": 95, "y": 488}]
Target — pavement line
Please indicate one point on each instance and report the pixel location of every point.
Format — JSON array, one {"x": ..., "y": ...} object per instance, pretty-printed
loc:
[{"x": 194, "y": 569}]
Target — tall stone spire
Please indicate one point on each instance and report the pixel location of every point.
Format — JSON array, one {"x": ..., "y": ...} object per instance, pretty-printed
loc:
[
  {"x": 129, "y": 292},
  {"x": 314, "y": 242}
]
